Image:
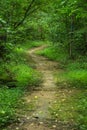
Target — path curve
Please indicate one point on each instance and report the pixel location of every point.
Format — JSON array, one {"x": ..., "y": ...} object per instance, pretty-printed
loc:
[
  {"x": 40, "y": 119},
  {"x": 46, "y": 93}
]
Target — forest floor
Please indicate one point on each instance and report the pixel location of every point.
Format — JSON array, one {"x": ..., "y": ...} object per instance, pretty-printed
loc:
[{"x": 43, "y": 97}]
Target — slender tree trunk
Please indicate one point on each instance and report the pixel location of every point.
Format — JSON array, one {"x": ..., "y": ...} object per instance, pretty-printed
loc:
[{"x": 71, "y": 38}]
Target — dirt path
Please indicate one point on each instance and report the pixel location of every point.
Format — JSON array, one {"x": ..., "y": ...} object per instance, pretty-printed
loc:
[
  {"x": 40, "y": 119},
  {"x": 45, "y": 95}
]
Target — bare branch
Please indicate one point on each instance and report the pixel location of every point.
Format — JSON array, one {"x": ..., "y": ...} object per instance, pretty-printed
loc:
[{"x": 25, "y": 15}]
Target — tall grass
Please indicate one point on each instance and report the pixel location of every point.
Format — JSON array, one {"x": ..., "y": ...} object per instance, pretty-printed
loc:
[
  {"x": 73, "y": 78},
  {"x": 54, "y": 53}
]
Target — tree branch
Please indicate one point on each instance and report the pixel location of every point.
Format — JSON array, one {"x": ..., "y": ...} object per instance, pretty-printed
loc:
[{"x": 25, "y": 15}]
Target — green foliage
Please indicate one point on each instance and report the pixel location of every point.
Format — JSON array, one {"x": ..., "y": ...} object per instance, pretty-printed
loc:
[
  {"x": 20, "y": 75},
  {"x": 75, "y": 74},
  {"x": 76, "y": 65},
  {"x": 30, "y": 44},
  {"x": 82, "y": 110},
  {"x": 18, "y": 72},
  {"x": 68, "y": 25},
  {"x": 26, "y": 76},
  {"x": 74, "y": 78},
  {"x": 9, "y": 101},
  {"x": 55, "y": 53},
  {"x": 17, "y": 24}
]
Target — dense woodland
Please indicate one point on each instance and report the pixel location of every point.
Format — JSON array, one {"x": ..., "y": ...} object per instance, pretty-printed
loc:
[{"x": 24, "y": 24}]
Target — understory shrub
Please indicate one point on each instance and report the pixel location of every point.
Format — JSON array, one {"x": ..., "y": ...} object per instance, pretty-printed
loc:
[
  {"x": 31, "y": 44},
  {"x": 55, "y": 53},
  {"x": 82, "y": 110},
  {"x": 9, "y": 101},
  {"x": 19, "y": 75},
  {"x": 26, "y": 76},
  {"x": 74, "y": 78}
]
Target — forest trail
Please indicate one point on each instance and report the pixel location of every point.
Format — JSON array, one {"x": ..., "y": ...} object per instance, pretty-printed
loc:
[{"x": 44, "y": 96}]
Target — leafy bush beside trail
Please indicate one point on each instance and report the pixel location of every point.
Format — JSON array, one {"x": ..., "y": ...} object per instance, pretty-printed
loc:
[
  {"x": 74, "y": 78},
  {"x": 54, "y": 53},
  {"x": 9, "y": 101},
  {"x": 16, "y": 76}
]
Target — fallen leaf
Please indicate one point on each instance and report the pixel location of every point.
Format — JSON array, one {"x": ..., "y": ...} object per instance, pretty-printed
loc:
[
  {"x": 41, "y": 123},
  {"x": 54, "y": 126},
  {"x": 36, "y": 97},
  {"x": 31, "y": 124}
]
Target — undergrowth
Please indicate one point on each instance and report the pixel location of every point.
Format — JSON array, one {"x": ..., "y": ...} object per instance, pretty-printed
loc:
[
  {"x": 72, "y": 78},
  {"x": 16, "y": 76},
  {"x": 54, "y": 53},
  {"x": 31, "y": 44},
  {"x": 9, "y": 102}
]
